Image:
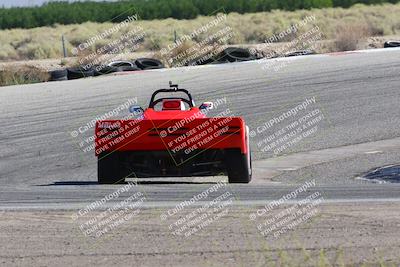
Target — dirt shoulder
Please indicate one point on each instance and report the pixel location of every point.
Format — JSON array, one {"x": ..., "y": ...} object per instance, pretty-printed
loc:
[{"x": 338, "y": 234}]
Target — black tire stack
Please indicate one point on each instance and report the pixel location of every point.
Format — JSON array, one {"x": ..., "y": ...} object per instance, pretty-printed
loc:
[
  {"x": 79, "y": 72},
  {"x": 230, "y": 54},
  {"x": 124, "y": 66},
  {"x": 103, "y": 70},
  {"x": 149, "y": 63},
  {"x": 117, "y": 66},
  {"x": 235, "y": 54},
  {"x": 58, "y": 75},
  {"x": 390, "y": 44},
  {"x": 300, "y": 53}
]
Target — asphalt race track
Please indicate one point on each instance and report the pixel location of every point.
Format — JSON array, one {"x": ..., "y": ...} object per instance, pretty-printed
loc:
[{"x": 43, "y": 166}]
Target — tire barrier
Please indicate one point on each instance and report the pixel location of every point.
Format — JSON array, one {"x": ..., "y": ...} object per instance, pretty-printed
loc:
[
  {"x": 121, "y": 63},
  {"x": 79, "y": 72},
  {"x": 300, "y": 53},
  {"x": 58, "y": 75},
  {"x": 236, "y": 54},
  {"x": 148, "y": 63},
  {"x": 104, "y": 70},
  {"x": 230, "y": 54},
  {"x": 390, "y": 44},
  {"x": 220, "y": 61},
  {"x": 112, "y": 69},
  {"x": 128, "y": 68},
  {"x": 202, "y": 62}
]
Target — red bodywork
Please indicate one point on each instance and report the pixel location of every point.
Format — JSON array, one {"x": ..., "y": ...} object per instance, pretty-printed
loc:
[
  {"x": 173, "y": 142},
  {"x": 175, "y": 131}
]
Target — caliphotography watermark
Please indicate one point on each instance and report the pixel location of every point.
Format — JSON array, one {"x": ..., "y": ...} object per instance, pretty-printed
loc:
[
  {"x": 103, "y": 35},
  {"x": 84, "y": 136},
  {"x": 96, "y": 52},
  {"x": 105, "y": 215},
  {"x": 286, "y": 130},
  {"x": 200, "y": 46},
  {"x": 199, "y": 212},
  {"x": 301, "y": 44},
  {"x": 294, "y": 28},
  {"x": 202, "y": 132},
  {"x": 127, "y": 43},
  {"x": 114, "y": 134},
  {"x": 278, "y": 217}
]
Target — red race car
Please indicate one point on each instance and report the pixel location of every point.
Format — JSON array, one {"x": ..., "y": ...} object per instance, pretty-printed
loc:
[{"x": 173, "y": 138}]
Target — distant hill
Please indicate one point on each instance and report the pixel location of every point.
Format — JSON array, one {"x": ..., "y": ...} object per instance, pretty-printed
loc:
[{"x": 79, "y": 12}]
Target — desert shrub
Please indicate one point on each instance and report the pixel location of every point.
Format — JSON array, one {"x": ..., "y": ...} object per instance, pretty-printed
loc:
[
  {"x": 7, "y": 52},
  {"x": 348, "y": 36},
  {"x": 153, "y": 43},
  {"x": 13, "y": 74}
]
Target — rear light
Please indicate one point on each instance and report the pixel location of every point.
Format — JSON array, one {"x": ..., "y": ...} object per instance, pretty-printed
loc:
[{"x": 172, "y": 104}]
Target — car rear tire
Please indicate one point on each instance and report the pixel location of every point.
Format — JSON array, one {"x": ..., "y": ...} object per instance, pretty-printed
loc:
[
  {"x": 109, "y": 169},
  {"x": 238, "y": 166}
]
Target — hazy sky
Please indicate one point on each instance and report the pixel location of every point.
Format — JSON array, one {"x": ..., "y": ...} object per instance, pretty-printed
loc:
[{"x": 9, "y": 3}]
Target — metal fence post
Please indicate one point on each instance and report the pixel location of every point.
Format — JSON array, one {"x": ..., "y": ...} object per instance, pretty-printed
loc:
[
  {"x": 175, "y": 37},
  {"x": 63, "y": 45}
]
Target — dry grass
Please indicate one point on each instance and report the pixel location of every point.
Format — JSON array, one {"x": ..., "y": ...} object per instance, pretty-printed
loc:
[
  {"x": 349, "y": 36},
  {"x": 45, "y": 42},
  {"x": 22, "y": 75},
  {"x": 187, "y": 53}
]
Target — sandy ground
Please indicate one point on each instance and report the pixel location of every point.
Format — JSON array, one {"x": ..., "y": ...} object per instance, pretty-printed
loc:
[{"x": 336, "y": 235}]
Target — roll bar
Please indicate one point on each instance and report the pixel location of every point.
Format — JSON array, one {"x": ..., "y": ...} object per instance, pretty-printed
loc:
[{"x": 173, "y": 89}]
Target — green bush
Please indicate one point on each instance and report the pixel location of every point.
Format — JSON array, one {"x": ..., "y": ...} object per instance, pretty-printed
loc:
[{"x": 78, "y": 12}]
